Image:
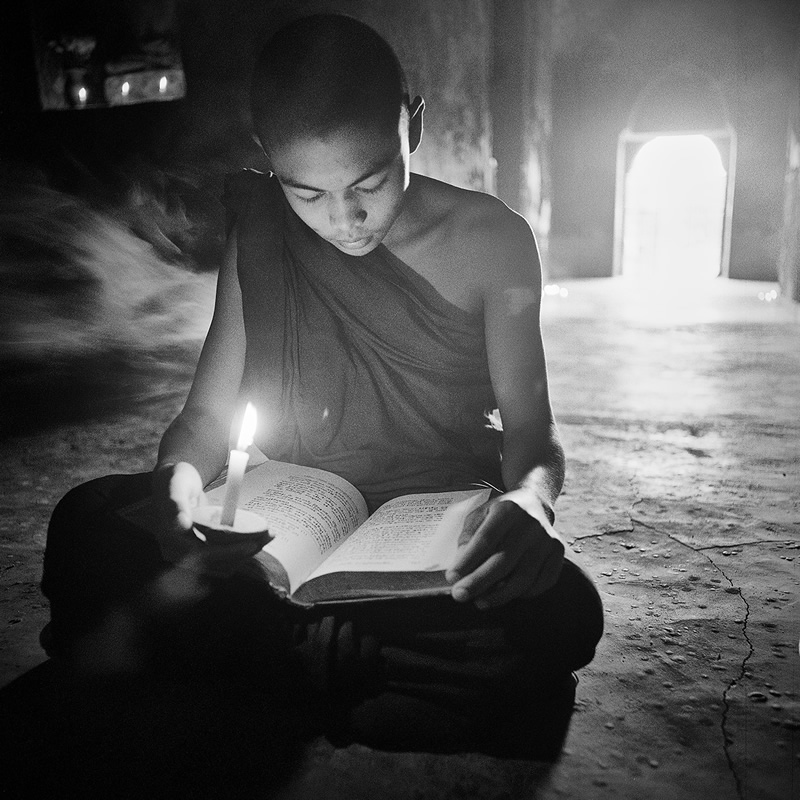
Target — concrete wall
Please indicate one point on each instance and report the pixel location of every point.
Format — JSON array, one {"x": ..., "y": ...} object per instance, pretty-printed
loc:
[
  {"x": 522, "y": 109},
  {"x": 789, "y": 261},
  {"x": 606, "y": 52},
  {"x": 445, "y": 47}
]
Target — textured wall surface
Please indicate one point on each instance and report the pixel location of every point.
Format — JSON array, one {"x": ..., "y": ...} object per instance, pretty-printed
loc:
[
  {"x": 521, "y": 109},
  {"x": 789, "y": 261},
  {"x": 445, "y": 48}
]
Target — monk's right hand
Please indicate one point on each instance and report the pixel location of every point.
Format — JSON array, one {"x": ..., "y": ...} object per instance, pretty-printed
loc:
[{"x": 177, "y": 489}]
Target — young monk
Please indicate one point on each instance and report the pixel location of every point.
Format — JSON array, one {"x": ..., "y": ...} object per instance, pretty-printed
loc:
[{"x": 375, "y": 317}]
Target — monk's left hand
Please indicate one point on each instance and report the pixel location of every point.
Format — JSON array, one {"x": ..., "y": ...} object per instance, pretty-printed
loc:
[{"x": 503, "y": 554}]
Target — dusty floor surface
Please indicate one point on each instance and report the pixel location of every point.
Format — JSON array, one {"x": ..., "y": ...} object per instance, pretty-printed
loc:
[{"x": 679, "y": 413}]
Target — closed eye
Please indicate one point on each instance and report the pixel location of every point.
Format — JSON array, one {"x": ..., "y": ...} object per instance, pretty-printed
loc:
[
  {"x": 372, "y": 189},
  {"x": 312, "y": 199}
]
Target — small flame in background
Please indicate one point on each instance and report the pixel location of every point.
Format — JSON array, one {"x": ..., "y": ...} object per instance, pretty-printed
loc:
[
  {"x": 91, "y": 297},
  {"x": 768, "y": 297},
  {"x": 553, "y": 289}
]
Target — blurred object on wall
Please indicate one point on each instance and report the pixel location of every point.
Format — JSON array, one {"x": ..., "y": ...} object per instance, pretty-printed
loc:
[{"x": 99, "y": 306}]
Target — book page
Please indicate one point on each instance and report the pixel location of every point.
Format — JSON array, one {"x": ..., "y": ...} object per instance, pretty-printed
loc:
[
  {"x": 417, "y": 532},
  {"x": 309, "y": 512}
]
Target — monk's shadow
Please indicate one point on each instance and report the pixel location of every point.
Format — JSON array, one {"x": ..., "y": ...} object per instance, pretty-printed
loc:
[
  {"x": 65, "y": 737},
  {"x": 62, "y": 736}
]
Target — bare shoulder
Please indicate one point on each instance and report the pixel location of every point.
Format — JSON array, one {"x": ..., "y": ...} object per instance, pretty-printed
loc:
[
  {"x": 483, "y": 234},
  {"x": 469, "y": 245}
]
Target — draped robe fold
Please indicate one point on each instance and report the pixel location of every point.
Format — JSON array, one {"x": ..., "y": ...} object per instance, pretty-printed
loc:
[{"x": 357, "y": 364}]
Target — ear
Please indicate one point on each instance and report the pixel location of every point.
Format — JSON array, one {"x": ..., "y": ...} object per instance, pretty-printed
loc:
[{"x": 416, "y": 110}]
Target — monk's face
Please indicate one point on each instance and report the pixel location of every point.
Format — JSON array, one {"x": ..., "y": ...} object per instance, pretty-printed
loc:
[{"x": 349, "y": 186}]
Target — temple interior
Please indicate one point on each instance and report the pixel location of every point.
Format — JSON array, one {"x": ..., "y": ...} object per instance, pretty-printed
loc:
[{"x": 654, "y": 148}]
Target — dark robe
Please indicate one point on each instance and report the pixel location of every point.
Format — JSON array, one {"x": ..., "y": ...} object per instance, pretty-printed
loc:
[{"x": 357, "y": 364}]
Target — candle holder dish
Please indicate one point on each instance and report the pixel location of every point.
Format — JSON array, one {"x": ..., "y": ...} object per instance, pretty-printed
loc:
[{"x": 247, "y": 526}]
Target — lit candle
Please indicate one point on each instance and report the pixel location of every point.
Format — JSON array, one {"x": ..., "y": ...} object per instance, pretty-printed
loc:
[
  {"x": 236, "y": 466},
  {"x": 162, "y": 84},
  {"x": 83, "y": 96},
  {"x": 126, "y": 89}
]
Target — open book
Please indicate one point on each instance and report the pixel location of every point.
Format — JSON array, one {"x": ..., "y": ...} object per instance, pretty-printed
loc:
[{"x": 327, "y": 549}]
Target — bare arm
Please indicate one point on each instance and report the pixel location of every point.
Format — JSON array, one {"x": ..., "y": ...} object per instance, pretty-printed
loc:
[
  {"x": 199, "y": 434},
  {"x": 194, "y": 448},
  {"x": 509, "y": 548},
  {"x": 533, "y": 459}
]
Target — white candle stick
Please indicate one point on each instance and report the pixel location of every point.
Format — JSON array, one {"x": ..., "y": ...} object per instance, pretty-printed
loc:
[{"x": 236, "y": 466}]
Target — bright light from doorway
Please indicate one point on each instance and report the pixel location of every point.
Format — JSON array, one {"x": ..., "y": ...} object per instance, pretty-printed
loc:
[{"x": 674, "y": 210}]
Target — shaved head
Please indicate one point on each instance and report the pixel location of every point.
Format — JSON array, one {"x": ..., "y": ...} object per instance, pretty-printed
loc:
[{"x": 322, "y": 73}]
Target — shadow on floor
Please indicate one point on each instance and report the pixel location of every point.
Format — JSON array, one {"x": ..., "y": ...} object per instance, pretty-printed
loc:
[
  {"x": 135, "y": 738},
  {"x": 66, "y": 738}
]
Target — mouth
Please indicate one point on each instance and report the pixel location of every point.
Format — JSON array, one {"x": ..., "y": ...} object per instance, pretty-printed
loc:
[{"x": 354, "y": 244}]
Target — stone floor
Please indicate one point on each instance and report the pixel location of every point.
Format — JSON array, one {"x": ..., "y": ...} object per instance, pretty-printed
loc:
[{"x": 679, "y": 411}]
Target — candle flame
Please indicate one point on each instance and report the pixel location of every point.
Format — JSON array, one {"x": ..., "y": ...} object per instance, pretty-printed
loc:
[
  {"x": 248, "y": 427},
  {"x": 162, "y": 84}
]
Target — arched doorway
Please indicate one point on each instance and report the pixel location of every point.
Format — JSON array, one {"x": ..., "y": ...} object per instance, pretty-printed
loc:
[
  {"x": 676, "y": 164},
  {"x": 674, "y": 209}
]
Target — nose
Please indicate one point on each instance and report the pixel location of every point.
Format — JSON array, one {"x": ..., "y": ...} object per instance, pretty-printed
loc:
[{"x": 346, "y": 213}]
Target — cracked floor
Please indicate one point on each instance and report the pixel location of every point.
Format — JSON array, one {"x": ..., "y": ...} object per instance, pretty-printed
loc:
[
  {"x": 682, "y": 498},
  {"x": 679, "y": 415}
]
